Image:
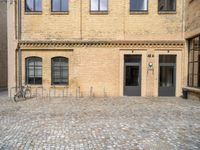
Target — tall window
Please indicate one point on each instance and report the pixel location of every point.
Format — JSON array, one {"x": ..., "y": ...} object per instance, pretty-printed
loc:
[
  {"x": 33, "y": 5},
  {"x": 138, "y": 5},
  {"x": 59, "y": 5},
  {"x": 194, "y": 62},
  {"x": 59, "y": 71},
  {"x": 34, "y": 70},
  {"x": 99, "y": 5},
  {"x": 166, "y": 5}
]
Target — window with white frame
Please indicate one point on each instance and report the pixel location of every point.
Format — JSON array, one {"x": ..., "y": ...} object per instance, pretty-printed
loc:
[
  {"x": 99, "y": 5},
  {"x": 33, "y": 5},
  {"x": 138, "y": 5},
  {"x": 59, "y": 5}
]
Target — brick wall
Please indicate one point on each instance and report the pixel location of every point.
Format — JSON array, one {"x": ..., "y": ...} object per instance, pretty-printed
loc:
[
  {"x": 192, "y": 26},
  {"x": 101, "y": 67},
  {"x": 118, "y": 24}
]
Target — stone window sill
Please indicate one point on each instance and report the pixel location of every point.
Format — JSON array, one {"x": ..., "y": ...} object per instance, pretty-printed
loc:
[
  {"x": 98, "y": 12},
  {"x": 59, "y": 13},
  {"x": 166, "y": 12},
  {"x": 33, "y": 13},
  {"x": 138, "y": 12}
]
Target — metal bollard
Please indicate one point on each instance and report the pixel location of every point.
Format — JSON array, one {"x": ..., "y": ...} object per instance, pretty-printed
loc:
[
  {"x": 104, "y": 92},
  {"x": 36, "y": 93},
  {"x": 91, "y": 91}
]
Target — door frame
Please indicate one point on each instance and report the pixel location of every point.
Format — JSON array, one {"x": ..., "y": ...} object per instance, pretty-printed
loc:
[
  {"x": 174, "y": 75},
  {"x": 133, "y": 64},
  {"x": 140, "y": 75},
  {"x": 180, "y": 72}
]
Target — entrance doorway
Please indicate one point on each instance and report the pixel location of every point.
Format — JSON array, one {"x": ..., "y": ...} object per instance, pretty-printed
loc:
[
  {"x": 132, "y": 75},
  {"x": 167, "y": 75}
]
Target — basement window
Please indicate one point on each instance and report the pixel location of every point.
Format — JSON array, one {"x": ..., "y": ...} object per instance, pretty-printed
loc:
[
  {"x": 99, "y": 5},
  {"x": 59, "y": 5},
  {"x": 166, "y": 5},
  {"x": 138, "y": 5},
  {"x": 33, "y": 5}
]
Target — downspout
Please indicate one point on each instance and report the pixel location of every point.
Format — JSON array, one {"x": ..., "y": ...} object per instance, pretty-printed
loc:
[
  {"x": 81, "y": 20},
  {"x": 19, "y": 49}
]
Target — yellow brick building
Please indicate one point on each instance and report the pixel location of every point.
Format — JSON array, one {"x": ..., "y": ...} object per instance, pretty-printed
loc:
[{"x": 114, "y": 47}]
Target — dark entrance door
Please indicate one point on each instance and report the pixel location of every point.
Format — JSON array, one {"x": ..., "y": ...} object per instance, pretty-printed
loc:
[
  {"x": 167, "y": 75},
  {"x": 132, "y": 75}
]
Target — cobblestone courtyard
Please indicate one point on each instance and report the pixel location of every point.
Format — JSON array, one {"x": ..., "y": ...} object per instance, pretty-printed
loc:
[{"x": 112, "y": 123}]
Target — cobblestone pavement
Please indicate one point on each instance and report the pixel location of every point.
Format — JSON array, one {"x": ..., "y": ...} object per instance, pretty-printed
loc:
[{"x": 97, "y": 123}]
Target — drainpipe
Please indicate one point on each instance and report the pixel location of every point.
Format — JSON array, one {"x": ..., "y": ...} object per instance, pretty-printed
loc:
[
  {"x": 19, "y": 49},
  {"x": 81, "y": 20}
]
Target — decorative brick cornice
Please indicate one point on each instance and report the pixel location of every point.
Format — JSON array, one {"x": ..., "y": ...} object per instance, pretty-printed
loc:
[{"x": 118, "y": 44}]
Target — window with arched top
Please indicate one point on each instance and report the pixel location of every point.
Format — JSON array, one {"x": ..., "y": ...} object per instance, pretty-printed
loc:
[
  {"x": 33, "y": 70},
  {"x": 59, "y": 71}
]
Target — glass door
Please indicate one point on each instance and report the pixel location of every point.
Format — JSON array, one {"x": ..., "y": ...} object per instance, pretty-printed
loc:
[
  {"x": 132, "y": 75},
  {"x": 167, "y": 75}
]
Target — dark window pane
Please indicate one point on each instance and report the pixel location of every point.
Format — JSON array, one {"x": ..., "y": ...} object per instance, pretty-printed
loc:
[
  {"x": 190, "y": 69},
  {"x": 38, "y": 80},
  {"x": 133, "y": 58},
  {"x": 194, "y": 62},
  {"x": 196, "y": 55},
  {"x": 166, "y": 76},
  {"x": 34, "y": 70},
  {"x": 166, "y": 5},
  {"x": 196, "y": 68},
  {"x": 190, "y": 82},
  {"x": 29, "y": 5},
  {"x": 196, "y": 43},
  {"x": 30, "y": 80},
  {"x": 133, "y": 5},
  {"x": 59, "y": 70},
  {"x": 132, "y": 75},
  {"x": 196, "y": 80},
  {"x": 191, "y": 53},
  {"x": 167, "y": 59}
]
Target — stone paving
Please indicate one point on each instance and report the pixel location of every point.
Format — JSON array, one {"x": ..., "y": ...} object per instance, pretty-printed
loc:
[{"x": 127, "y": 123}]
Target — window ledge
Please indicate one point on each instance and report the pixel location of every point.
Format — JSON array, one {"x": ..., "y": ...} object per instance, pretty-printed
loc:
[
  {"x": 35, "y": 85},
  {"x": 59, "y": 13},
  {"x": 99, "y": 12},
  {"x": 192, "y": 89},
  {"x": 33, "y": 13},
  {"x": 59, "y": 86},
  {"x": 138, "y": 12},
  {"x": 167, "y": 12}
]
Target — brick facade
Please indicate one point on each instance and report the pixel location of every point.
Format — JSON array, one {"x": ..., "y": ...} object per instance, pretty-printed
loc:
[{"x": 100, "y": 41}]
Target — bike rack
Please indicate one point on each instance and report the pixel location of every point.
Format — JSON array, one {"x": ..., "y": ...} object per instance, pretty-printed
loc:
[
  {"x": 11, "y": 92},
  {"x": 37, "y": 88}
]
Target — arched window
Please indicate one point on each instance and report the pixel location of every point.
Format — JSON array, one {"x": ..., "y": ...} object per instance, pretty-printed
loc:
[
  {"x": 59, "y": 71},
  {"x": 33, "y": 70}
]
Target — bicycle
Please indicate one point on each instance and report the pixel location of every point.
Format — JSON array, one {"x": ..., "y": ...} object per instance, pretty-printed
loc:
[{"x": 23, "y": 93}]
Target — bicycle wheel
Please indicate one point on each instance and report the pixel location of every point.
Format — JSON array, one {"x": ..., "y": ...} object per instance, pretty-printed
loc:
[
  {"x": 18, "y": 97},
  {"x": 27, "y": 94}
]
